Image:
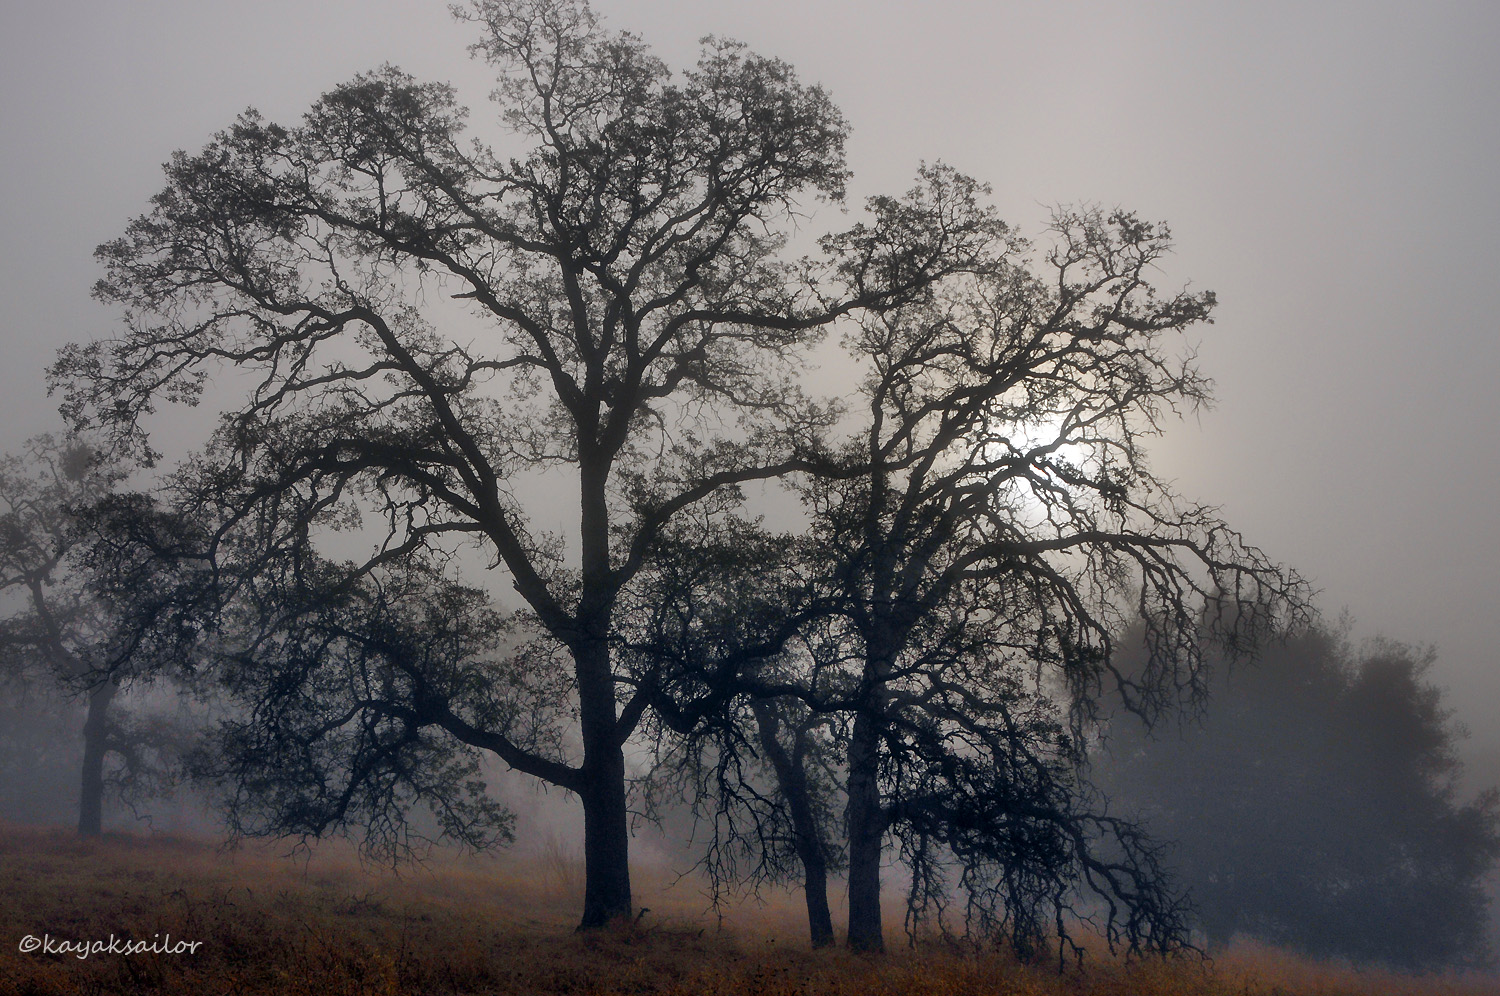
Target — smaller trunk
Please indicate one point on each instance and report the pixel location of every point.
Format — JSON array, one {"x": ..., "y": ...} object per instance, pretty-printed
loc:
[
  {"x": 95, "y": 746},
  {"x": 791, "y": 779},
  {"x": 866, "y": 831},
  {"x": 819, "y": 920}
]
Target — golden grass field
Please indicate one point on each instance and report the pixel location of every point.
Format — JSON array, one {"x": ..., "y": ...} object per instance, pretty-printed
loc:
[{"x": 323, "y": 924}]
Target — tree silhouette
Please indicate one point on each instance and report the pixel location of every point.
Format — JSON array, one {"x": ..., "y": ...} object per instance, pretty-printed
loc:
[
  {"x": 718, "y": 619},
  {"x": 631, "y": 333},
  {"x": 993, "y": 517},
  {"x": 974, "y": 550},
  {"x": 69, "y": 628}
]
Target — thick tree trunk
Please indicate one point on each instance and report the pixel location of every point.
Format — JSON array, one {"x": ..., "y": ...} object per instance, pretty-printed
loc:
[
  {"x": 95, "y": 746},
  {"x": 791, "y": 779},
  {"x": 866, "y": 830},
  {"x": 606, "y": 828},
  {"x": 606, "y": 846}
]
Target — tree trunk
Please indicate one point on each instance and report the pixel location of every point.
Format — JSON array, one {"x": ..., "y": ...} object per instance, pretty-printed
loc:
[
  {"x": 791, "y": 779},
  {"x": 606, "y": 828},
  {"x": 866, "y": 831},
  {"x": 815, "y": 888},
  {"x": 606, "y": 846},
  {"x": 95, "y": 746}
]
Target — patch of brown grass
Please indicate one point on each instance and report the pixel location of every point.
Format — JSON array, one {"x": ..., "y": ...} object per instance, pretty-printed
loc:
[{"x": 323, "y": 923}]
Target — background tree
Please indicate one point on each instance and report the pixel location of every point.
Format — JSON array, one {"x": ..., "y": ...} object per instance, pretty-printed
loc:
[
  {"x": 761, "y": 786},
  {"x": 1317, "y": 805},
  {"x": 41, "y": 751},
  {"x": 796, "y": 741},
  {"x": 632, "y": 332},
  {"x": 68, "y": 631}
]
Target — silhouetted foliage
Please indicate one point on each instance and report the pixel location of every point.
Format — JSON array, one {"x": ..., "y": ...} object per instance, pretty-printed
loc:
[
  {"x": 1317, "y": 806},
  {"x": 356, "y": 701},
  {"x": 632, "y": 333},
  {"x": 974, "y": 549}
]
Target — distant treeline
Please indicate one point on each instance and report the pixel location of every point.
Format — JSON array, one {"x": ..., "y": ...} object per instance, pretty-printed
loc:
[{"x": 1316, "y": 803}]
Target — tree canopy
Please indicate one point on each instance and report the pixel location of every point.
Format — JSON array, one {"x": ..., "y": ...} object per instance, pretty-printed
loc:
[{"x": 571, "y": 344}]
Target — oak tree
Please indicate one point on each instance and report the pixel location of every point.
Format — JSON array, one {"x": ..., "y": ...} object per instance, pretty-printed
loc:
[
  {"x": 993, "y": 517},
  {"x": 977, "y": 546},
  {"x": 626, "y": 330},
  {"x": 70, "y": 628}
]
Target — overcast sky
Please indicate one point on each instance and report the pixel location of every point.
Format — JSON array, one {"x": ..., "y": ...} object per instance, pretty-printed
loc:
[{"x": 1329, "y": 169}]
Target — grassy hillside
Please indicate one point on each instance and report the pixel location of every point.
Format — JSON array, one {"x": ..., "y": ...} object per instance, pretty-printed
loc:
[{"x": 320, "y": 923}]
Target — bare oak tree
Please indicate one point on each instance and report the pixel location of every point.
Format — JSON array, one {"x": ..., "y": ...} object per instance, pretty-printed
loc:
[
  {"x": 994, "y": 516},
  {"x": 631, "y": 328},
  {"x": 975, "y": 549}
]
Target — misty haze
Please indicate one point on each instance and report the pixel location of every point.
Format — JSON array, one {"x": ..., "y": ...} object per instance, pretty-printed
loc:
[{"x": 552, "y": 496}]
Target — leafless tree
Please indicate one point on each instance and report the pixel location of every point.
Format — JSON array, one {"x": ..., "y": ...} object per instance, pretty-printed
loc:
[
  {"x": 995, "y": 515},
  {"x": 632, "y": 331},
  {"x": 976, "y": 548}
]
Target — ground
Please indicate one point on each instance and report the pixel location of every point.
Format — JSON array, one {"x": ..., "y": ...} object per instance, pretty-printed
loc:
[{"x": 265, "y": 921}]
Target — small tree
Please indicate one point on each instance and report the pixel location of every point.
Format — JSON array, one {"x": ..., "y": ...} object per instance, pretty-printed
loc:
[
  {"x": 632, "y": 334},
  {"x": 1317, "y": 806},
  {"x": 760, "y": 785},
  {"x": 791, "y": 740},
  {"x": 720, "y": 619},
  {"x": 67, "y": 628}
]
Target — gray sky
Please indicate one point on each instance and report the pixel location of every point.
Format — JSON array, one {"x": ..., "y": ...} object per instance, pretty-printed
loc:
[{"x": 1328, "y": 168}]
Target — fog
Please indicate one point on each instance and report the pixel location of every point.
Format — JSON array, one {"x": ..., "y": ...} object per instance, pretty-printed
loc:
[{"x": 1328, "y": 169}]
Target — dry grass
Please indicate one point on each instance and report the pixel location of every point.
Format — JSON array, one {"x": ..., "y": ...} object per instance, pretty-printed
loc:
[{"x": 324, "y": 924}]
